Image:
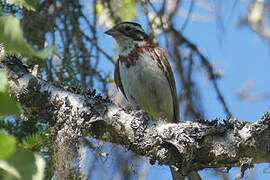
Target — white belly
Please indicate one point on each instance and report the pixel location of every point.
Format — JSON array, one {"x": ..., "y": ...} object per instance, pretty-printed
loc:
[{"x": 146, "y": 86}]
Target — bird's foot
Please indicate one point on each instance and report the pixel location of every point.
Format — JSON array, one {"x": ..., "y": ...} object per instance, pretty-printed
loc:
[
  {"x": 126, "y": 108},
  {"x": 162, "y": 118}
]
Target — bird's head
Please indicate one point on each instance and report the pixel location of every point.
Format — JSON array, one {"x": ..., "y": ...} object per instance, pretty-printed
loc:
[{"x": 128, "y": 34}]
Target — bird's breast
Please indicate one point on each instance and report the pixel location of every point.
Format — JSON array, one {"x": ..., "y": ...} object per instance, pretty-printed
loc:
[{"x": 145, "y": 83}]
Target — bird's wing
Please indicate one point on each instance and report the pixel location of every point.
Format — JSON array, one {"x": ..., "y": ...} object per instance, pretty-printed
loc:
[
  {"x": 170, "y": 77},
  {"x": 117, "y": 78}
]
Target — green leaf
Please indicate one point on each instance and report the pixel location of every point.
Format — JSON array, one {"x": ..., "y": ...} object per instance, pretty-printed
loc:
[
  {"x": 32, "y": 142},
  {"x": 28, "y": 4},
  {"x": 2, "y": 52},
  {"x": 7, "y": 105},
  {"x": 11, "y": 36},
  {"x": 43, "y": 54},
  {"x": 7, "y": 145},
  {"x": 125, "y": 9},
  {"x": 128, "y": 12},
  {"x": 3, "y": 81},
  {"x": 6, "y": 176},
  {"x": 25, "y": 165}
]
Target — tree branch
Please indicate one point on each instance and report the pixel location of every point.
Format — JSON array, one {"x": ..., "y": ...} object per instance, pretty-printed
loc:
[{"x": 187, "y": 146}]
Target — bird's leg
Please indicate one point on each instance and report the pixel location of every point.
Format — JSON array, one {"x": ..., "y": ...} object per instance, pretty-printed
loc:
[
  {"x": 129, "y": 107},
  {"x": 162, "y": 117}
]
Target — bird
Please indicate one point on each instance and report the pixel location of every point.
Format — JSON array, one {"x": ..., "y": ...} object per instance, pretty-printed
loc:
[
  {"x": 144, "y": 76},
  {"x": 143, "y": 73}
]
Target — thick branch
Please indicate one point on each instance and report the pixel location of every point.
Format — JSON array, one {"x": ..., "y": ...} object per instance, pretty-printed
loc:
[{"x": 187, "y": 146}]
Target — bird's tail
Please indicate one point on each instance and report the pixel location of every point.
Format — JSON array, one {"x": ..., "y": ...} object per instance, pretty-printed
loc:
[
  {"x": 176, "y": 175},
  {"x": 194, "y": 175}
]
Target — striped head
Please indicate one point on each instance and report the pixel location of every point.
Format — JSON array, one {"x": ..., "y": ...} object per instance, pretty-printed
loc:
[{"x": 128, "y": 34}]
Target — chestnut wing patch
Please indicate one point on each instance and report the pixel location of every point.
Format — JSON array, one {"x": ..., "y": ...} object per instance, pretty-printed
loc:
[{"x": 162, "y": 60}]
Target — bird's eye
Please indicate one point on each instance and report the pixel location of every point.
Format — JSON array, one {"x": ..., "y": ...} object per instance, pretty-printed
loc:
[{"x": 128, "y": 28}]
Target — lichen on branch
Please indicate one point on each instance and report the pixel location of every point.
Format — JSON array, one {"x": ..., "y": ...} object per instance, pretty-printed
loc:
[{"x": 189, "y": 146}]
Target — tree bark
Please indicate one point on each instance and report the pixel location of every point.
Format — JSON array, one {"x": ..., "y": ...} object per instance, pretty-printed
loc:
[{"x": 187, "y": 146}]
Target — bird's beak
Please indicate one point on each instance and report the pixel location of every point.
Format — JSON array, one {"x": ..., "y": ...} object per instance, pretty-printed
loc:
[{"x": 112, "y": 32}]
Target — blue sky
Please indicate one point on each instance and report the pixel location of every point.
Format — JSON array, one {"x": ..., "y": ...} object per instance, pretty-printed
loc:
[
  {"x": 244, "y": 57},
  {"x": 238, "y": 52}
]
